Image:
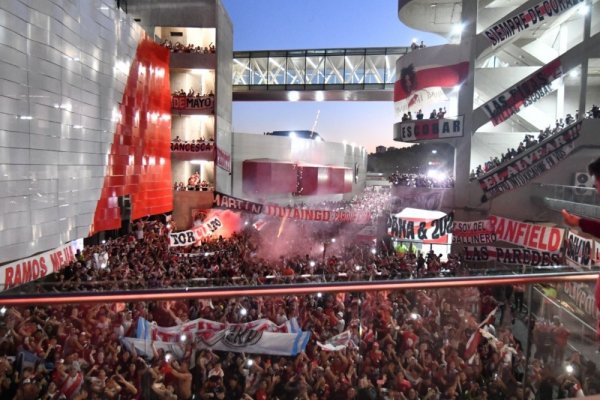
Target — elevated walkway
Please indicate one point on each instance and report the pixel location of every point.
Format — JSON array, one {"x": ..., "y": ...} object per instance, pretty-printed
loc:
[{"x": 365, "y": 74}]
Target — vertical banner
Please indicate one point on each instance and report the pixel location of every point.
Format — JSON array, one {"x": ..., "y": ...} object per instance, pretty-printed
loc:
[{"x": 580, "y": 250}]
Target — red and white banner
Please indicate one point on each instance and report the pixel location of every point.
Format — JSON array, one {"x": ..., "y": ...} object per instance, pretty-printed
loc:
[
  {"x": 203, "y": 103},
  {"x": 358, "y": 217},
  {"x": 338, "y": 342},
  {"x": 530, "y": 164},
  {"x": 36, "y": 267},
  {"x": 181, "y": 147},
  {"x": 511, "y": 256},
  {"x": 223, "y": 159},
  {"x": 524, "y": 93},
  {"x": 415, "y": 229},
  {"x": 539, "y": 237},
  {"x": 473, "y": 232},
  {"x": 580, "y": 250},
  {"x": 527, "y": 19},
  {"x": 200, "y": 232},
  {"x": 421, "y": 76},
  {"x": 257, "y": 337},
  {"x": 148, "y": 330},
  {"x": 428, "y": 129}
]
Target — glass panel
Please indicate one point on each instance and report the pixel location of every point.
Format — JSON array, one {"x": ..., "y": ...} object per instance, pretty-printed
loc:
[
  {"x": 355, "y": 69},
  {"x": 334, "y": 66},
  {"x": 374, "y": 69},
  {"x": 295, "y": 73},
  {"x": 390, "y": 68},
  {"x": 241, "y": 71},
  {"x": 314, "y": 70},
  {"x": 277, "y": 70},
  {"x": 259, "y": 71}
]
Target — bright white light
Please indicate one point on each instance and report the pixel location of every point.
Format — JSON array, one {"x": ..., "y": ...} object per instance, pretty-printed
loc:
[
  {"x": 433, "y": 151},
  {"x": 414, "y": 315},
  {"x": 319, "y": 295},
  {"x": 26, "y": 117},
  {"x": 250, "y": 362},
  {"x": 198, "y": 162},
  {"x": 312, "y": 263},
  {"x": 414, "y": 40},
  {"x": 206, "y": 254},
  {"x": 168, "y": 226},
  {"x": 168, "y": 357},
  {"x": 584, "y": 9},
  {"x": 373, "y": 251},
  {"x": 292, "y": 135},
  {"x": 293, "y": 96},
  {"x": 569, "y": 368},
  {"x": 358, "y": 267},
  {"x": 332, "y": 240},
  {"x": 183, "y": 337},
  {"x": 319, "y": 96},
  {"x": 243, "y": 312},
  {"x": 77, "y": 126},
  {"x": 246, "y": 223},
  {"x": 122, "y": 66},
  {"x": 104, "y": 242},
  {"x": 457, "y": 29},
  {"x": 436, "y": 175},
  {"x": 456, "y": 89},
  {"x": 2, "y": 310},
  {"x": 574, "y": 73}
]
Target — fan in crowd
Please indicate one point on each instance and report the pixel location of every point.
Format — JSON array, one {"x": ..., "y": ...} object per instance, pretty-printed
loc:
[{"x": 191, "y": 93}]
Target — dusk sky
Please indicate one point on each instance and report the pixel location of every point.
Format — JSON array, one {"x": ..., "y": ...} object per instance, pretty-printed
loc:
[{"x": 318, "y": 24}]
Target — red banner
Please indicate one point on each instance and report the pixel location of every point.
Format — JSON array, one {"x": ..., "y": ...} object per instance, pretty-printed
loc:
[{"x": 539, "y": 237}]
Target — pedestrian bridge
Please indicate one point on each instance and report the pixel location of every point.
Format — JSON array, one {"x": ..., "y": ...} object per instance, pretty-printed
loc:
[{"x": 366, "y": 74}]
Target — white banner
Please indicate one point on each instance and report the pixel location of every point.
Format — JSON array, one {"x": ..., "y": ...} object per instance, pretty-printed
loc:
[
  {"x": 148, "y": 330},
  {"x": 36, "y": 267},
  {"x": 580, "y": 250},
  {"x": 473, "y": 232},
  {"x": 202, "y": 231},
  {"x": 539, "y": 237},
  {"x": 338, "y": 342}
]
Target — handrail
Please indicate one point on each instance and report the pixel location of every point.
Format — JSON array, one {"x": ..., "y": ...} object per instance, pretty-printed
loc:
[{"x": 290, "y": 289}]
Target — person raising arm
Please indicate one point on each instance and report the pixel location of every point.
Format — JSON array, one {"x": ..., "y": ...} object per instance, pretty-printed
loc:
[{"x": 590, "y": 226}]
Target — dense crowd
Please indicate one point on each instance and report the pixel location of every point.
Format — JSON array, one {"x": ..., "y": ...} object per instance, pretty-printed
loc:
[
  {"x": 191, "y": 93},
  {"x": 530, "y": 141},
  {"x": 194, "y": 183},
  {"x": 188, "y": 48},
  {"x": 421, "y": 180},
  {"x": 426, "y": 344}
]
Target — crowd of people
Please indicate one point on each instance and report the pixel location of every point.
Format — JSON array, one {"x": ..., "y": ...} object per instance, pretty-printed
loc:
[
  {"x": 191, "y": 93},
  {"x": 188, "y": 48},
  {"x": 433, "y": 344},
  {"x": 195, "y": 182},
  {"x": 421, "y": 180},
  {"x": 530, "y": 141},
  {"x": 439, "y": 114},
  {"x": 194, "y": 141}
]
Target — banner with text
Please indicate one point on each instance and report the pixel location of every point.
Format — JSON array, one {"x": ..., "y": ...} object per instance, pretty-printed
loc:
[
  {"x": 421, "y": 75},
  {"x": 511, "y": 256},
  {"x": 233, "y": 203},
  {"x": 529, "y": 165},
  {"x": 429, "y": 232},
  {"x": 36, "y": 267},
  {"x": 473, "y": 232},
  {"x": 193, "y": 103},
  {"x": 539, "y": 237},
  {"x": 197, "y": 233},
  {"x": 527, "y": 19},
  {"x": 523, "y": 94},
  {"x": 428, "y": 129},
  {"x": 580, "y": 250},
  {"x": 182, "y": 147},
  {"x": 223, "y": 159}
]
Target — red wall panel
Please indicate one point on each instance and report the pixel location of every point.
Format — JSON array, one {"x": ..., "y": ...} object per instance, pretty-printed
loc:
[
  {"x": 268, "y": 177},
  {"x": 139, "y": 164}
]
